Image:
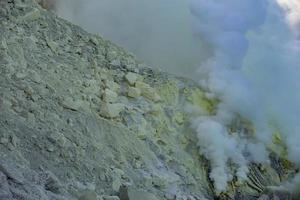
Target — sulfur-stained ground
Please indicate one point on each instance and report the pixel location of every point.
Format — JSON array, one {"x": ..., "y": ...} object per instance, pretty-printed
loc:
[{"x": 80, "y": 118}]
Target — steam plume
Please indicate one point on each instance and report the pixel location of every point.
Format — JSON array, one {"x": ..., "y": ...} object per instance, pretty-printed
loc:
[
  {"x": 157, "y": 31},
  {"x": 248, "y": 52},
  {"x": 255, "y": 73}
]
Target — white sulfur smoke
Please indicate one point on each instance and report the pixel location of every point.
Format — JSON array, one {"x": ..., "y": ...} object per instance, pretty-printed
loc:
[
  {"x": 292, "y": 8},
  {"x": 212, "y": 134},
  {"x": 249, "y": 53},
  {"x": 225, "y": 24},
  {"x": 293, "y": 186},
  {"x": 254, "y": 71},
  {"x": 273, "y": 67},
  {"x": 157, "y": 31}
]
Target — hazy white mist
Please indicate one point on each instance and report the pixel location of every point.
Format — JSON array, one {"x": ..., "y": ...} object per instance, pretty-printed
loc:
[
  {"x": 157, "y": 31},
  {"x": 244, "y": 52}
]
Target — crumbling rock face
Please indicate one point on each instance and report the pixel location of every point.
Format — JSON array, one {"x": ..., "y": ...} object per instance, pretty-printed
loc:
[
  {"x": 82, "y": 119},
  {"x": 47, "y": 4}
]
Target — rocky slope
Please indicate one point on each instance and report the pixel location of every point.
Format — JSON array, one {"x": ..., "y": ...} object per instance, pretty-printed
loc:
[{"x": 82, "y": 119}]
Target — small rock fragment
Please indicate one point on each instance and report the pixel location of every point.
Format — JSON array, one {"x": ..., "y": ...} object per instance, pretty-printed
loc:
[
  {"x": 158, "y": 182},
  {"x": 11, "y": 172},
  {"x": 112, "y": 85},
  {"x": 50, "y": 148},
  {"x": 147, "y": 91},
  {"x": 71, "y": 104},
  {"x": 191, "y": 197},
  {"x": 116, "y": 184},
  {"x": 4, "y": 187},
  {"x": 52, "y": 183},
  {"x": 111, "y": 110},
  {"x": 4, "y": 140},
  {"x": 33, "y": 15},
  {"x": 57, "y": 138},
  {"x": 14, "y": 140},
  {"x": 169, "y": 196},
  {"x": 52, "y": 45},
  {"x": 131, "y": 78},
  {"x": 94, "y": 40},
  {"x": 178, "y": 118},
  {"x": 115, "y": 63},
  {"x": 20, "y": 75},
  {"x": 263, "y": 197},
  {"x": 36, "y": 77},
  {"x": 135, "y": 194},
  {"x": 142, "y": 136},
  {"x": 106, "y": 197},
  {"x": 28, "y": 91},
  {"x": 133, "y": 92},
  {"x": 88, "y": 195},
  {"x": 123, "y": 193},
  {"x": 109, "y": 96},
  {"x": 117, "y": 179}
]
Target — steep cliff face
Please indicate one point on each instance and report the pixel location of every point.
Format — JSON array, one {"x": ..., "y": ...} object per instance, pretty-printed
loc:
[{"x": 82, "y": 119}]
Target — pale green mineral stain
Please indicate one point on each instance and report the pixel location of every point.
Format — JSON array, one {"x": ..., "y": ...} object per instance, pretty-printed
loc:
[
  {"x": 169, "y": 92},
  {"x": 196, "y": 97}
]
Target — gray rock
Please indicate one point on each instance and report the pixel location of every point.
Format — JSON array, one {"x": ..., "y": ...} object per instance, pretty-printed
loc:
[
  {"x": 111, "y": 110},
  {"x": 135, "y": 194},
  {"x": 88, "y": 195},
  {"x": 109, "y": 96},
  {"x": 133, "y": 92},
  {"x": 4, "y": 187},
  {"x": 106, "y": 197},
  {"x": 54, "y": 118},
  {"x": 147, "y": 91},
  {"x": 11, "y": 172},
  {"x": 52, "y": 183},
  {"x": 131, "y": 78}
]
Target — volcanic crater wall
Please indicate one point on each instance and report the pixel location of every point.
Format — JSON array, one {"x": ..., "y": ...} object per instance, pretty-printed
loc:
[{"x": 83, "y": 119}]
